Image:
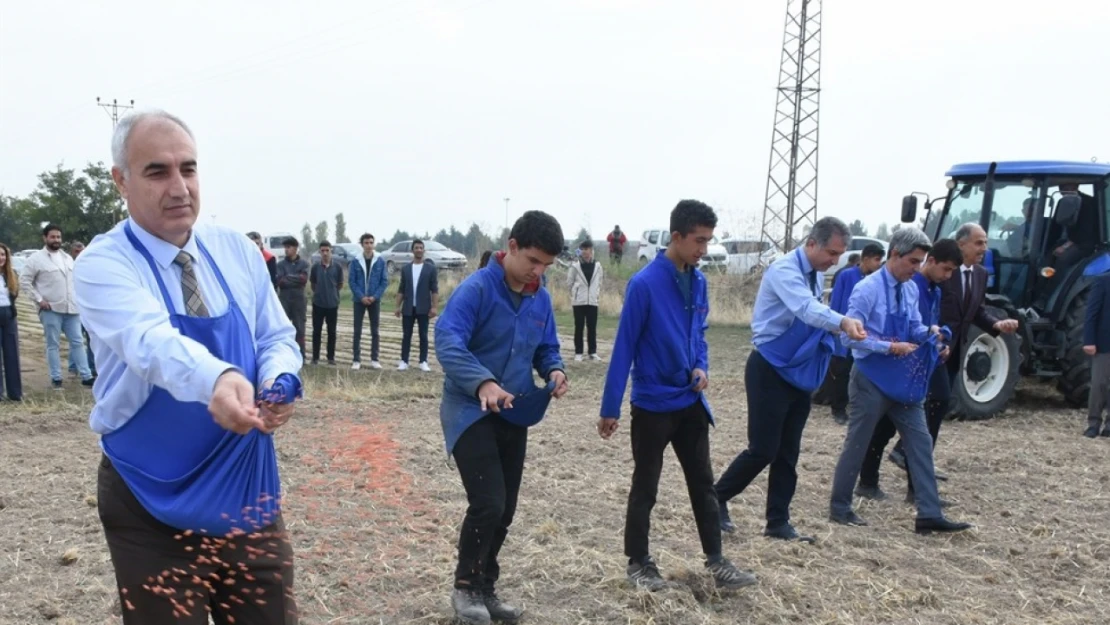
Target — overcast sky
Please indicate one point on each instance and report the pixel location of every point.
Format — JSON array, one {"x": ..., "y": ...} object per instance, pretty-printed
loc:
[{"x": 419, "y": 114}]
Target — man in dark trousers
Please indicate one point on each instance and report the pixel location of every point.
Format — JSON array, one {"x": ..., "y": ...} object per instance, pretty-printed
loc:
[
  {"x": 661, "y": 336},
  {"x": 497, "y": 328},
  {"x": 326, "y": 279},
  {"x": 417, "y": 303},
  {"x": 941, "y": 263},
  {"x": 835, "y": 387},
  {"x": 368, "y": 279},
  {"x": 616, "y": 240},
  {"x": 584, "y": 277},
  {"x": 1096, "y": 344},
  {"x": 292, "y": 277},
  {"x": 793, "y": 333}
]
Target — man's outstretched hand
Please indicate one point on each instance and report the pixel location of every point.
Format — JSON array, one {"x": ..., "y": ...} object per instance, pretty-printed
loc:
[{"x": 233, "y": 405}]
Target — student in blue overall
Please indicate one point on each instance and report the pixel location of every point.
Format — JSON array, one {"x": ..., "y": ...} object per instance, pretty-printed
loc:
[
  {"x": 661, "y": 338},
  {"x": 943, "y": 260},
  {"x": 498, "y": 326},
  {"x": 190, "y": 342},
  {"x": 893, "y": 366},
  {"x": 836, "y": 381},
  {"x": 792, "y": 331}
]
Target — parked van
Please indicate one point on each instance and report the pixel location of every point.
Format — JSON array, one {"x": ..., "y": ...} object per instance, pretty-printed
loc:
[
  {"x": 715, "y": 259},
  {"x": 748, "y": 255}
]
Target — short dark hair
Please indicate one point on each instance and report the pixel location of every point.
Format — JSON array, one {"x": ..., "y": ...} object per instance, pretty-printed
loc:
[
  {"x": 254, "y": 236},
  {"x": 689, "y": 215},
  {"x": 853, "y": 258},
  {"x": 415, "y": 241},
  {"x": 873, "y": 250},
  {"x": 538, "y": 230},
  {"x": 364, "y": 237},
  {"x": 290, "y": 241},
  {"x": 586, "y": 245},
  {"x": 323, "y": 244},
  {"x": 947, "y": 251},
  {"x": 51, "y": 228},
  {"x": 482, "y": 262}
]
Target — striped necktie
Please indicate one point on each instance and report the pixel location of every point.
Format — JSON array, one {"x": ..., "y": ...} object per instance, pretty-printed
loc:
[{"x": 190, "y": 290}]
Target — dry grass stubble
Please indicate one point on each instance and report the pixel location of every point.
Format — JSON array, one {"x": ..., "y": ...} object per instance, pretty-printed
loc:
[{"x": 375, "y": 505}]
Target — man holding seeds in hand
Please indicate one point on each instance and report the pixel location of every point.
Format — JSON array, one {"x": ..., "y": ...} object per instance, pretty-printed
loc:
[
  {"x": 496, "y": 329},
  {"x": 198, "y": 369}
]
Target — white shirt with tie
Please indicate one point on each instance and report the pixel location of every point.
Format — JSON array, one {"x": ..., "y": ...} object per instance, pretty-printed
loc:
[{"x": 136, "y": 347}]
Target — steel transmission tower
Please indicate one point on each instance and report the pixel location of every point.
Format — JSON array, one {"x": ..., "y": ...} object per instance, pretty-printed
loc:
[{"x": 791, "y": 199}]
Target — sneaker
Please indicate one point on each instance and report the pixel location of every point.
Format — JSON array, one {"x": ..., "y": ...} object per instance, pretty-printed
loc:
[
  {"x": 402, "y": 366},
  {"x": 470, "y": 606},
  {"x": 727, "y": 576},
  {"x": 578, "y": 358},
  {"x": 315, "y": 362},
  {"x": 356, "y": 365},
  {"x": 424, "y": 367},
  {"x": 57, "y": 385},
  {"x": 331, "y": 363},
  {"x": 595, "y": 357},
  {"x": 374, "y": 364},
  {"x": 499, "y": 610},
  {"x": 840, "y": 416},
  {"x": 645, "y": 574},
  {"x": 88, "y": 383}
]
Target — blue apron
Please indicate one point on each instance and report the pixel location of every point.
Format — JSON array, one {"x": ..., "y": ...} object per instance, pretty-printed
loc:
[
  {"x": 529, "y": 407},
  {"x": 186, "y": 470},
  {"x": 801, "y": 355},
  {"x": 904, "y": 379}
]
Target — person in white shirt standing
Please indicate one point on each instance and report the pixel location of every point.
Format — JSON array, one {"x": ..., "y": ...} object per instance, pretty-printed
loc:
[
  {"x": 417, "y": 303},
  {"x": 48, "y": 279},
  {"x": 200, "y": 369}
]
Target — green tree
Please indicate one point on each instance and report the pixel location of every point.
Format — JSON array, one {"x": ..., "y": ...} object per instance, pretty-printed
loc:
[
  {"x": 341, "y": 229},
  {"x": 321, "y": 232},
  {"x": 82, "y": 204},
  {"x": 583, "y": 235},
  {"x": 306, "y": 237},
  {"x": 857, "y": 228},
  {"x": 883, "y": 232}
]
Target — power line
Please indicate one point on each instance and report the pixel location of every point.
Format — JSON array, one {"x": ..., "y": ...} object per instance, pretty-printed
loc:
[{"x": 114, "y": 108}]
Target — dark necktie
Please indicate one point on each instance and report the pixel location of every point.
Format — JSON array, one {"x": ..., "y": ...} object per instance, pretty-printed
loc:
[
  {"x": 190, "y": 290},
  {"x": 967, "y": 290},
  {"x": 898, "y": 295},
  {"x": 812, "y": 275}
]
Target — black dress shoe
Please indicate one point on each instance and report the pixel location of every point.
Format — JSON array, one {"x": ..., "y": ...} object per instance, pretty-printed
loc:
[
  {"x": 840, "y": 416},
  {"x": 911, "y": 498},
  {"x": 787, "y": 532},
  {"x": 849, "y": 518},
  {"x": 898, "y": 458},
  {"x": 870, "y": 492},
  {"x": 943, "y": 525},
  {"x": 940, "y": 476},
  {"x": 1105, "y": 432},
  {"x": 1091, "y": 432}
]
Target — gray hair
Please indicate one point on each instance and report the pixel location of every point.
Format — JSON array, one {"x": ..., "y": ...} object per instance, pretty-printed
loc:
[
  {"x": 126, "y": 126},
  {"x": 964, "y": 232},
  {"x": 906, "y": 240},
  {"x": 827, "y": 227}
]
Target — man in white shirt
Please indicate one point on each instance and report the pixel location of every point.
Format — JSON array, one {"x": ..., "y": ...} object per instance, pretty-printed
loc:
[
  {"x": 199, "y": 369},
  {"x": 48, "y": 279}
]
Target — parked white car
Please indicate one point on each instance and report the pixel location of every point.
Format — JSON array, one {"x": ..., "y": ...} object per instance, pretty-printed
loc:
[
  {"x": 747, "y": 256},
  {"x": 715, "y": 259}
]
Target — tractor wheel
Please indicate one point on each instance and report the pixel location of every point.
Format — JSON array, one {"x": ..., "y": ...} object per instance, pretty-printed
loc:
[
  {"x": 1075, "y": 382},
  {"x": 988, "y": 374}
]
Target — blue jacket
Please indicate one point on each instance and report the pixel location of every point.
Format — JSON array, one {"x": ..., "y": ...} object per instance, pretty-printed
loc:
[
  {"x": 1096, "y": 330},
  {"x": 356, "y": 278},
  {"x": 660, "y": 340},
  {"x": 842, "y": 288},
  {"x": 481, "y": 335},
  {"x": 928, "y": 301}
]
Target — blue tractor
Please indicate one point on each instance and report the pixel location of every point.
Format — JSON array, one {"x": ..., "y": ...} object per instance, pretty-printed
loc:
[{"x": 1047, "y": 232}]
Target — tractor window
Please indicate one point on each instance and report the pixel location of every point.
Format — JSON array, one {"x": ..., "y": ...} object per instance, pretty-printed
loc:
[
  {"x": 966, "y": 205},
  {"x": 1009, "y": 231}
]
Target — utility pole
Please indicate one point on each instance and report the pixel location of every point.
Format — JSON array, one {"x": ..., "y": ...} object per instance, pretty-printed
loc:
[
  {"x": 506, "y": 214},
  {"x": 114, "y": 108},
  {"x": 791, "y": 198}
]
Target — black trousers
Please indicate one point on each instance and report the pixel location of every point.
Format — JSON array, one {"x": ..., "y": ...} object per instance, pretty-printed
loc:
[
  {"x": 11, "y": 381},
  {"x": 936, "y": 406},
  {"x": 407, "y": 323},
  {"x": 295, "y": 305},
  {"x": 834, "y": 389},
  {"x": 320, "y": 316},
  {"x": 777, "y": 415},
  {"x": 687, "y": 432},
  {"x": 374, "y": 311},
  {"x": 585, "y": 318},
  {"x": 165, "y": 576},
  {"x": 490, "y": 459}
]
